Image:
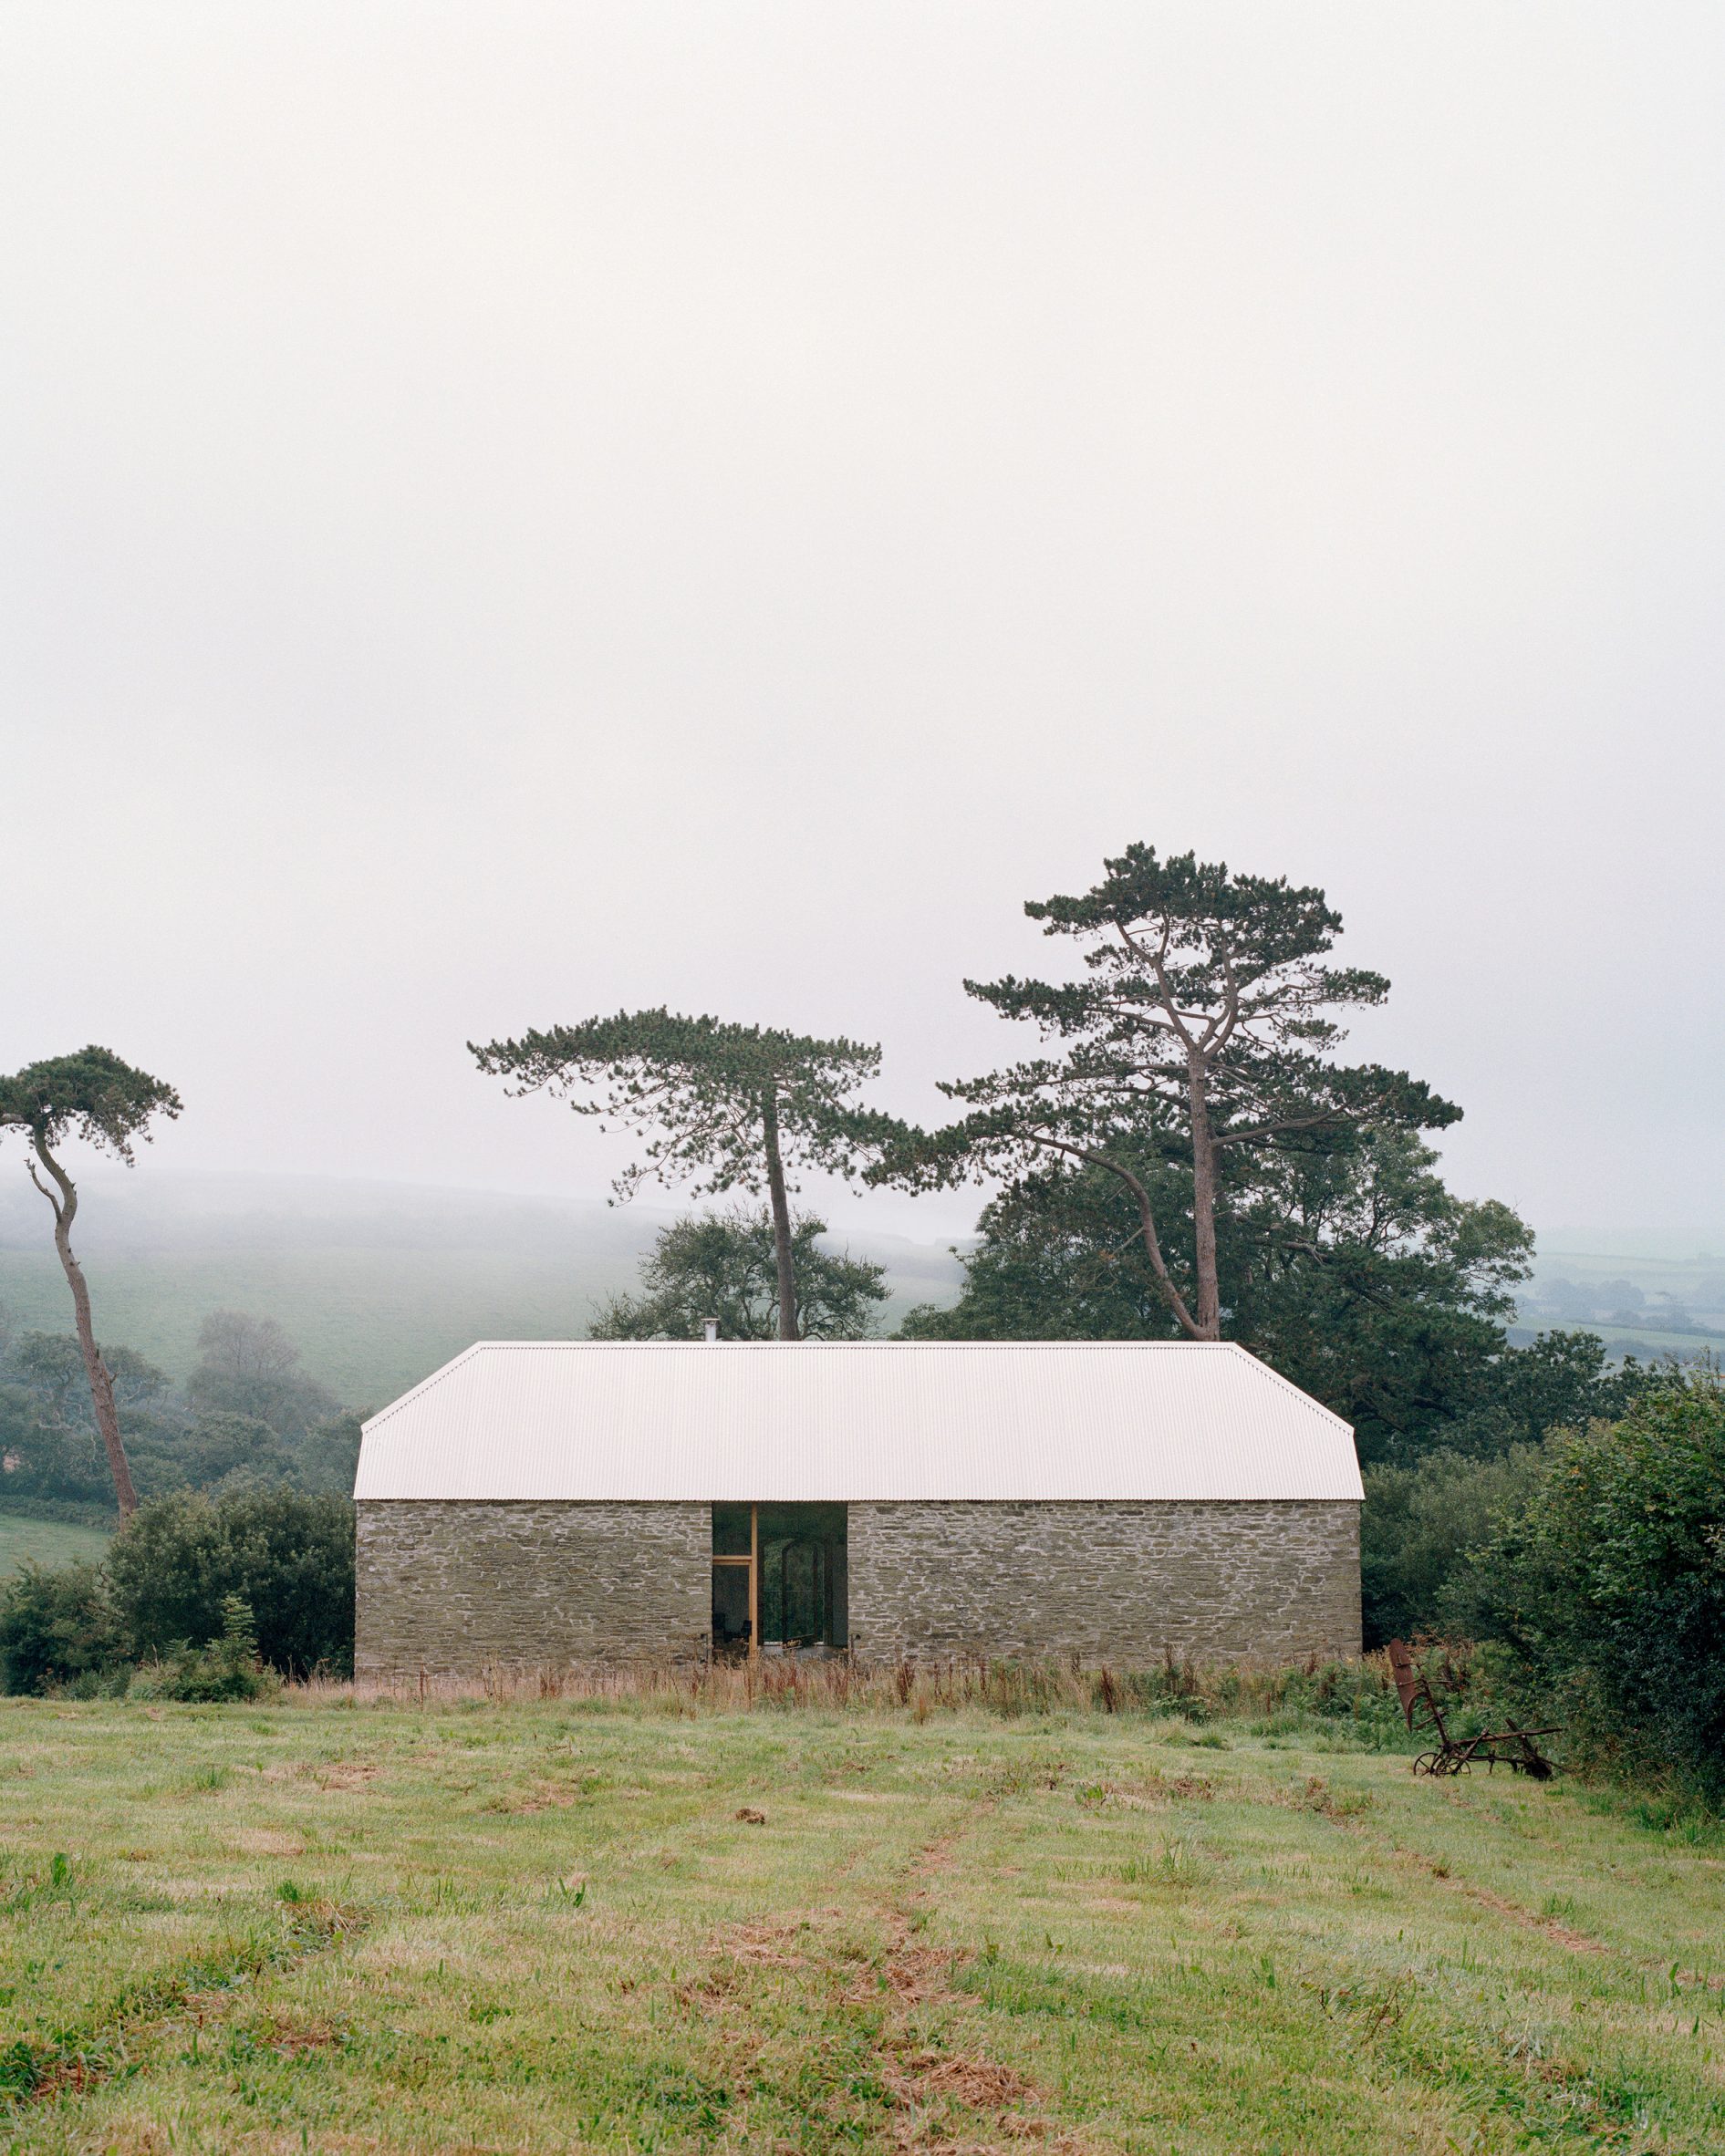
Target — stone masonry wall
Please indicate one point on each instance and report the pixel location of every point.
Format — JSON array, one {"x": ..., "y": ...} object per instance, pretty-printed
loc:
[
  {"x": 457, "y": 1588},
  {"x": 1108, "y": 1583}
]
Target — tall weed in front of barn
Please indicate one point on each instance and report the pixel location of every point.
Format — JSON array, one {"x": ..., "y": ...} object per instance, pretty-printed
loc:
[{"x": 1351, "y": 1703}]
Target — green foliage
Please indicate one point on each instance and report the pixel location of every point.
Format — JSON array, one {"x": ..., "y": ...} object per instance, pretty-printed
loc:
[
  {"x": 721, "y": 1265},
  {"x": 93, "y": 1094},
  {"x": 1417, "y": 1526},
  {"x": 50, "y": 1365},
  {"x": 47, "y": 1434},
  {"x": 728, "y": 1106},
  {"x": 694, "y": 1087},
  {"x": 1053, "y": 1262},
  {"x": 228, "y": 1667},
  {"x": 1350, "y": 1269},
  {"x": 1559, "y": 1381},
  {"x": 287, "y": 1554},
  {"x": 49, "y": 1458},
  {"x": 57, "y": 1626},
  {"x": 170, "y": 1588},
  {"x": 222, "y": 1450},
  {"x": 1607, "y": 1581},
  {"x": 47, "y": 1429}
]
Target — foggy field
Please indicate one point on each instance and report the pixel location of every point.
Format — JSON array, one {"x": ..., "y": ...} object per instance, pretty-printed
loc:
[
  {"x": 368, "y": 1324},
  {"x": 46, "y": 1541},
  {"x": 546, "y": 1926},
  {"x": 376, "y": 1285}
]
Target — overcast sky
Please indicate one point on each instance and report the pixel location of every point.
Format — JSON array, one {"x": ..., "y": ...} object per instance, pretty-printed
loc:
[{"x": 512, "y": 511}]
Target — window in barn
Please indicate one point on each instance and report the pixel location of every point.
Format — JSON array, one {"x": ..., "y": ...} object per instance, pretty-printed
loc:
[{"x": 779, "y": 1579}]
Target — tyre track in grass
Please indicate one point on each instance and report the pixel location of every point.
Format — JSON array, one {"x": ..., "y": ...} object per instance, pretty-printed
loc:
[
  {"x": 925, "y": 2080},
  {"x": 1518, "y": 2077},
  {"x": 895, "y": 2053}
]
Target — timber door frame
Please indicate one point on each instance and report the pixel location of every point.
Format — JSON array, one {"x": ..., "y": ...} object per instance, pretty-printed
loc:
[{"x": 753, "y": 1563}]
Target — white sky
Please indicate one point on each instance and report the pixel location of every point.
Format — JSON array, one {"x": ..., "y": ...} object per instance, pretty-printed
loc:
[{"x": 509, "y": 511}]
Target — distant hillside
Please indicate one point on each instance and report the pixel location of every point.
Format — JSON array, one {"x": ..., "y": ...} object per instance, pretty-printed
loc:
[
  {"x": 378, "y": 1283},
  {"x": 1642, "y": 1299}
]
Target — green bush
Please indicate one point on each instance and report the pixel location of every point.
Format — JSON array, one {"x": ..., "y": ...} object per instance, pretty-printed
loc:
[
  {"x": 287, "y": 1555},
  {"x": 226, "y": 1668},
  {"x": 1608, "y": 1584},
  {"x": 57, "y": 1629},
  {"x": 1417, "y": 1528}
]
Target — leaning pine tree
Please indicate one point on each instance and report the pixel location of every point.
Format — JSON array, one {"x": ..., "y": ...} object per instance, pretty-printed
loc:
[
  {"x": 1201, "y": 1028},
  {"x": 95, "y": 1096},
  {"x": 722, "y": 1107}
]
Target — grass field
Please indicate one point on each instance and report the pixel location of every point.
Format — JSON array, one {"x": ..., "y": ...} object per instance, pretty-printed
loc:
[
  {"x": 553, "y": 1925},
  {"x": 47, "y": 1541}
]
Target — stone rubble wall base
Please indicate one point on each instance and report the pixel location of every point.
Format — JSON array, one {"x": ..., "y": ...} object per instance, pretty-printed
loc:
[
  {"x": 1118, "y": 1583},
  {"x": 457, "y": 1588}
]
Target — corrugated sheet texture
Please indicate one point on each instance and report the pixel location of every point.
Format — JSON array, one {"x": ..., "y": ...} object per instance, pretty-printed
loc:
[{"x": 655, "y": 1422}]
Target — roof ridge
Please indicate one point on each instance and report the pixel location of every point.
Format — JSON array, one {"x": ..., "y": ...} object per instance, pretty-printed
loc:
[
  {"x": 899, "y": 1346},
  {"x": 435, "y": 1378},
  {"x": 1305, "y": 1399}
]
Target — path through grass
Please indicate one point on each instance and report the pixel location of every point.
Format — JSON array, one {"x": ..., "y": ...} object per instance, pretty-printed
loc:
[{"x": 550, "y": 1926}]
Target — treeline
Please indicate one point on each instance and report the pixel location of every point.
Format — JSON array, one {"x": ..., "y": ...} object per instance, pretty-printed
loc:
[{"x": 247, "y": 1417}]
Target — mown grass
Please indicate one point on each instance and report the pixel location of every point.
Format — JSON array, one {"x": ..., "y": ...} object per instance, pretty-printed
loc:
[
  {"x": 563, "y": 1923},
  {"x": 47, "y": 1542}
]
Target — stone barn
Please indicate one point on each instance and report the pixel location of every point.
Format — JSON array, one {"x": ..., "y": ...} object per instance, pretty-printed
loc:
[{"x": 578, "y": 1504}]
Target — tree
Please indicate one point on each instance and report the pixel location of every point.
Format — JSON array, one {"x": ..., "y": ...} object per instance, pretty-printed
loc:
[
  {"x": 49, "y": 1446},
  {"x": 288, "y": 1556},
  {"x": 57, "y": 1627},
  {"x": 329, "y": 1454},
  {"x": 248, "y": 1366},
  {"x": 725, "y": 1107},
  {"x": 229, "y": 1451},
  {"x": 1199, "y": 1035},
  {"x": 1419, "y": 1524},
  {"x": 724, "y": 1266},
  {"x": 1347, "y": 1266},
  {"x": 52, "y": 1366},
  {"x": 95, "y": 1096}
]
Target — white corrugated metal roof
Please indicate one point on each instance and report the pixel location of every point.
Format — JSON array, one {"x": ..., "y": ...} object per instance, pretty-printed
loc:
[{"x": 854, "y": 1421}]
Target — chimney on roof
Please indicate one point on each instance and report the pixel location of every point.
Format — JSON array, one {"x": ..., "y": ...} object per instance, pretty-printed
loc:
[{"x": 710, "y": 1329}]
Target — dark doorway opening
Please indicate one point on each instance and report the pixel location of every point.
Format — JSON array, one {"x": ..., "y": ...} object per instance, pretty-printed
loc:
[{"x": 780, "y": 1579}]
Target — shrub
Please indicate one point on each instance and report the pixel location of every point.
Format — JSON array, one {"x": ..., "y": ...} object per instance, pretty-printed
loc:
[
  {"x": 287, "y": 1555},
  {"x": 1417, "y": 1528},
  {"x": 228, "y": 1668},
  {"x": 57, "y": 1628},
  {"x": 1607, "y": 1583}
]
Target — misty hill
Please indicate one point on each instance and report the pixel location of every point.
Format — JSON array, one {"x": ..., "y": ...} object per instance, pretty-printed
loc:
[
  {"x": 1641, "y": 1297},
  {"x": 376, "y": 1282}
]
